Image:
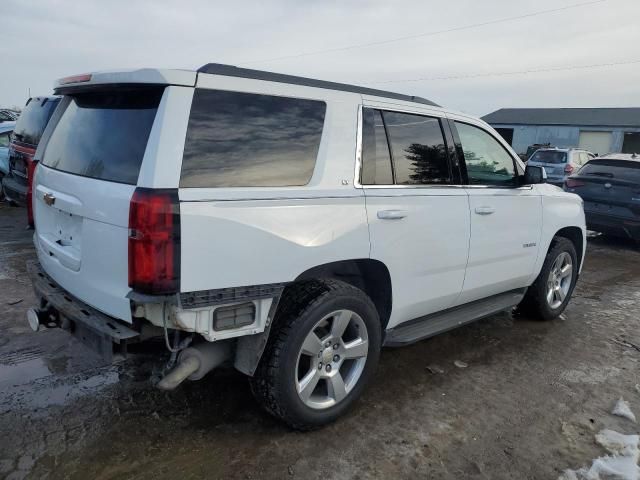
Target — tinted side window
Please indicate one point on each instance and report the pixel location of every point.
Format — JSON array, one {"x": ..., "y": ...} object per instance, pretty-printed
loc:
[
  {"x": 488, "y": 163},
  {"x": 419, "y": 152},
  {"x": 244, "y": 139},
  {"x": 376, "y": 161}
]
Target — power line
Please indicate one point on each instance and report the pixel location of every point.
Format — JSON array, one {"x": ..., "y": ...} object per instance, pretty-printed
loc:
[
  {"x": 498, "y": 74},
  {"x": 426, "y": 34}
]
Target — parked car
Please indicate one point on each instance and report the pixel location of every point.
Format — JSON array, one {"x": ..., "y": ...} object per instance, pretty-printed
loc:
[
  {"x": 531, "y": 149},
  {"x": 287, "y": 225},
  {"x": 8, "y": 116},
  {"x": 5, "y": 135},
  {"x": 610, "y": 188},
  {"x": 26, "y": 136},
  {"x": 559, "y": 163}
]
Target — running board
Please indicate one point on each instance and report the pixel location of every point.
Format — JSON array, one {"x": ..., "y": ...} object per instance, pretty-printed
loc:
[{"x": 430, "y": 325}]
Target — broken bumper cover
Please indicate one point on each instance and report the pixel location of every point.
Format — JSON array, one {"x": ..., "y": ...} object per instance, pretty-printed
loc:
[{"x": 93, "y": 328}]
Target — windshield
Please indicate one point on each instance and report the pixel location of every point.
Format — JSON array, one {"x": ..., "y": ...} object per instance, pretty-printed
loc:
[
  {"x": 34, "y": 119},
  {"x": 104, "y": 134},
  {"x": 549, "y": 156},
  {"x": 618, "y": 169}
]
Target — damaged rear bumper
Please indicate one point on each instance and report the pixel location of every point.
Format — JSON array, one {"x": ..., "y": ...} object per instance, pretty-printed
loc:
[{"x": 98, "y": 331}]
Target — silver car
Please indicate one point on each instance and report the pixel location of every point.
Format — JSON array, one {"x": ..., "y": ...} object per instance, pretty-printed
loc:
[{"x": 559, "y": 163}]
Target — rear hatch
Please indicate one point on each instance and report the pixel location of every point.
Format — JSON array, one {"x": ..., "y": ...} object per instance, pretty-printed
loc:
[
  {"x": 553, "y": 161},
  {"x": 90, "y": 162},
  {"x": 609, "y": 187}
]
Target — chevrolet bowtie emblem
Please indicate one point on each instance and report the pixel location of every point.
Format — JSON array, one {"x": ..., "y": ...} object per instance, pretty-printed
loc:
[{"x": 49, "y": 199}]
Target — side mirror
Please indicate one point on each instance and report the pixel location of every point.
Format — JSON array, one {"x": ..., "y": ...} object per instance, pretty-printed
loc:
[{"x": 534, "y": 175}]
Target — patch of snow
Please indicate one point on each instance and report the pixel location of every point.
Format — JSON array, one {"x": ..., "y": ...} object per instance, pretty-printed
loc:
[
  {"x": 622, "y": 464},
  {"x": 622, "y": 409},
  {"x": 590, "y": 375}
]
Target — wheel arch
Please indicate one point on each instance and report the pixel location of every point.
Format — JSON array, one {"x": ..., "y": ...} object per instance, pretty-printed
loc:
[
  {"x": 370, "y": 276},
  {"x": 575, "y": 235}
]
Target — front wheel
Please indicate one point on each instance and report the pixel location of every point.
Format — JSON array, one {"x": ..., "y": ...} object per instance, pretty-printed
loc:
[
  {"x": 549, "y": 295},
  {"x": 323, "y": 349}
]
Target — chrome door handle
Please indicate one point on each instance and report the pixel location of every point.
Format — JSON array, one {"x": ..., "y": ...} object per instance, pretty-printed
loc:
[
  {"x": 485, "y": 210},
  {"x": 392, "y": 214}
]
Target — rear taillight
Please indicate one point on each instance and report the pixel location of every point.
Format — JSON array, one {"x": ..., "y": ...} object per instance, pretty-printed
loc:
[
  {"x": 568, "y": 168},
  {"x": 154, "y": 241},
  {"x": 572, "y": 183},
  {"x": 31, "y": 173}
]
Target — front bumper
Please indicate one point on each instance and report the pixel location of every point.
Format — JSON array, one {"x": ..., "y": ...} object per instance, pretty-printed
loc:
[{"x": 98, "y": 331}]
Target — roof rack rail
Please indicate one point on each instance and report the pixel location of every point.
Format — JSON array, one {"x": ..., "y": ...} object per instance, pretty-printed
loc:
[{"x": 233, "y": 71}]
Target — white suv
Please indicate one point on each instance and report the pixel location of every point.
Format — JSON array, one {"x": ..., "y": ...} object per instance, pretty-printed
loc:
[{"x": 289, "y": 226}]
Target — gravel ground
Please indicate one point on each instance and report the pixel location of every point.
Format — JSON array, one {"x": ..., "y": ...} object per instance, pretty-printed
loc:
[{"x": 526, "y": 405}]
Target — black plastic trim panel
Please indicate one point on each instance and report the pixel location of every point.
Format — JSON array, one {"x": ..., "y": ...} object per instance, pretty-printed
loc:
[
  {"x": 435, "y": 323},
  {"x": 219, "y": 296}
]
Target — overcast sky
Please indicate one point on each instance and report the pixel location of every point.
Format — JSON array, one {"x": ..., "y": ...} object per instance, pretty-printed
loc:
[{"x": 45, "y": 40}]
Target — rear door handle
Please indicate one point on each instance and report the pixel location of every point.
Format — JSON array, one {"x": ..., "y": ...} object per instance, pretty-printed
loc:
[
  {"x": 485, "y": 210},
  {"x": 392, "y": 214}
]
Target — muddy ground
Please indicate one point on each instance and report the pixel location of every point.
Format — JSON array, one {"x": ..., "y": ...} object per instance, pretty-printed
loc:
[{"x": 527, "y": 406}]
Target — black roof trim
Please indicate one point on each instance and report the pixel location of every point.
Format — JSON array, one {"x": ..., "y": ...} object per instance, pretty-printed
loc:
[{"x": 231, "y": 71}]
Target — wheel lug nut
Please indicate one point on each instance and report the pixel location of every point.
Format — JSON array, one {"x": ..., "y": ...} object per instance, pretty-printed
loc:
[
  {"x": 328, "y": 369},
  {"x": 336, "y": 358},
  {"x": 320, "y": 366},
  {"x": 335, "y": 347},
  {"x": 328, "y": 344}
]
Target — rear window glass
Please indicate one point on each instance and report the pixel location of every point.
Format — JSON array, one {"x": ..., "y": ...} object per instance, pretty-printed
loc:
[
  {"x": 243, "y": 140},
  {"x": 104, "y": 135},
  {"x": 34, "y": 119},
  {"x": 619, "y": 169},
  {"x": 549, "y": 156}
]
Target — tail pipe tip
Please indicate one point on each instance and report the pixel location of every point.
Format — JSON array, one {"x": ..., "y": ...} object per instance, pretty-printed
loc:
[
  {"x": 35, "y": 318},
  {"x": 195, "y": 362}
]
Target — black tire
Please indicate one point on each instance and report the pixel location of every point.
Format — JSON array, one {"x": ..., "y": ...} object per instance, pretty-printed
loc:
[
  {"x": 535, "y": 304},
  {"x": 301, "y": 307}
]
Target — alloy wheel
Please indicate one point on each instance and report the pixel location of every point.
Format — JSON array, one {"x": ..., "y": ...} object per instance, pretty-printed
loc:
[
  {"x": 331, "y": 359},
  {"x": 559, "y": 281}
]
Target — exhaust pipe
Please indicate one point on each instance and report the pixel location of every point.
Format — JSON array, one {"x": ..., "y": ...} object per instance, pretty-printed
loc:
[
  {"x": 37, "y": 317},
  {"x": 195, "y": 362}
]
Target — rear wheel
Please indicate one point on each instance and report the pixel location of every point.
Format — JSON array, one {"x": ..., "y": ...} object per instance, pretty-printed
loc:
[
  {"x": 322, "y": 351},
  {"x": 549, "y": 295}
]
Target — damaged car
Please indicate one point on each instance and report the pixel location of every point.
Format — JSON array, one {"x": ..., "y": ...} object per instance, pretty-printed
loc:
[{"x": 288, "y": 226}]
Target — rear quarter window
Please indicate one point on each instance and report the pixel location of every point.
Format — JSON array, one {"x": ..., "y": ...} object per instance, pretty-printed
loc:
[
  {"x": 103, "y": 135},
  {"x": 245, "y": 140}
]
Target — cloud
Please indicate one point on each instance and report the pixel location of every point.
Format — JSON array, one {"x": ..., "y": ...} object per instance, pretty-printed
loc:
[{"x": 45, "y": 40}]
